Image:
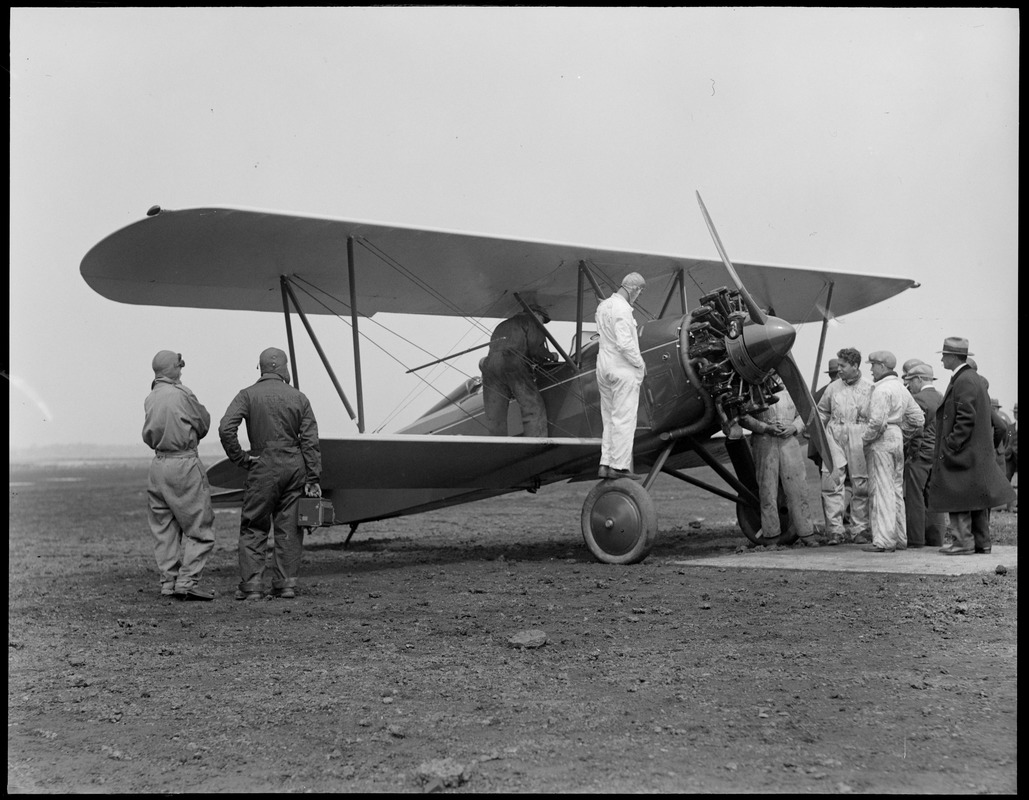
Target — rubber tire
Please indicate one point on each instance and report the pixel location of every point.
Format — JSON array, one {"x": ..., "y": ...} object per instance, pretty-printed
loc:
[
  {"x": 749, "y": 519},
  {"x": 619, "y": 522}
]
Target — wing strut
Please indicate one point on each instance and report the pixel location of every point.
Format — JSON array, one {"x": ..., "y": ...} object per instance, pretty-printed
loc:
[
  {"x": 546, "y": 333},
  {"x": 584, "y": 272},
  {"x": 289, "y": 331},
  {"x": 679, "y": 281},
  {"x": 351, "y": 267},
  {"x": 821, "y": 339},
  {"x": 317, "y": 346}
]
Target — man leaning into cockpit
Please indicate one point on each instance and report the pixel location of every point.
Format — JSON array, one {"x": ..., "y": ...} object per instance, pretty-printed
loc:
[{"x": 516, "y": 346}]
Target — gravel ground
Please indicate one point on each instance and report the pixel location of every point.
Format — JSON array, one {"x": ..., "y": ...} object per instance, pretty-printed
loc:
[{"x": 480, "y": 649}]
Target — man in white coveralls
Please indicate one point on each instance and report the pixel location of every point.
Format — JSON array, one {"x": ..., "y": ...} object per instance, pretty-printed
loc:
[{"x": 620, "y": 371}]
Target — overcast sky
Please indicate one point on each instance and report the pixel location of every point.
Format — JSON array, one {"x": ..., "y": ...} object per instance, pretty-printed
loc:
[{"x": 869, "y": 140}]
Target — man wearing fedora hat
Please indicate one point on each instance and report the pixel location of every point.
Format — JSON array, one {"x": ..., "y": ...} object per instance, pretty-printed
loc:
[
  {"x": 893, "y": 418},
  {"x": 966, "y": 481},
  {"x": 922, "y": 529}
]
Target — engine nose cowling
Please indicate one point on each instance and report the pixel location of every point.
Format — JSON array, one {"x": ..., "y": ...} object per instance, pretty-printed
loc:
[{"x": 760, "y": 348}]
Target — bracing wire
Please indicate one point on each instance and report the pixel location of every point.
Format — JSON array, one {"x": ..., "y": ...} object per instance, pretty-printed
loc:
[
  {"x": 364, "y": 336},
  {"x": 432, "y": 292}
]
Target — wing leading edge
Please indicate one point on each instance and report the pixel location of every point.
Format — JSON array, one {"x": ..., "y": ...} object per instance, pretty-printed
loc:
[{"x": 232, "y": 259}]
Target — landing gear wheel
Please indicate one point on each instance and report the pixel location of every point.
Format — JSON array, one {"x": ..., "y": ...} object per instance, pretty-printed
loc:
[
  {"x": 749, "y": 519},
  {"x": 619, "y": 522}
]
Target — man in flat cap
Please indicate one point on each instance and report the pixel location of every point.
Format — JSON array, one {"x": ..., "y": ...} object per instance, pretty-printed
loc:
[
  {"x": 966, "y": 481},
  {"x": 906, "y": 367},
  {"x": 178, "y": 494},
  {"x": 517, "y": 345},
  {"x": 922, "y": 528},
  {"x": 893, "y": 417},
  {"x": 620, "y": 371},
  {"x": 283, "y": 463}
]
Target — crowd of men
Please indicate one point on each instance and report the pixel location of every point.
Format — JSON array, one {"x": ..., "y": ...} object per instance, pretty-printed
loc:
[{"x": 909, "y": 464}]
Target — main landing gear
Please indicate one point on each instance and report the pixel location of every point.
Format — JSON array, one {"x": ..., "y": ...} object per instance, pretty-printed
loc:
[{"x": 619, "y": 521}]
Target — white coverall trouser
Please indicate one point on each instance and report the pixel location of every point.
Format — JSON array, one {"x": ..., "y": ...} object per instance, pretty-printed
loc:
[
  {"x": 885, "y": 461},
  {"x": 848, "y": 450},
  {"x": 619, "y": 404}
]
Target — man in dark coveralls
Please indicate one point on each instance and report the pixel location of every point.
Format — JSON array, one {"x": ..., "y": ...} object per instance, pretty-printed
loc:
[
  {"x": 516, "y": 345},
  {"x": 966, "y": 481},
  {"x": 922, "y": 529},
  {"x": 284, "y": 462}
]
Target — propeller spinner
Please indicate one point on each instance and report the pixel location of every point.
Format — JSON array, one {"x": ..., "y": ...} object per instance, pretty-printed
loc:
[{"x": 765, "y": 345}]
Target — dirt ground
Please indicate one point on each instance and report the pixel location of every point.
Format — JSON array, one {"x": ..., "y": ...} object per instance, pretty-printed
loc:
[{"x": 394, "y": 669}]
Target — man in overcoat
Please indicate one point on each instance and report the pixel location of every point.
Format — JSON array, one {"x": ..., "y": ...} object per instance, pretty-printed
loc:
[{"x": 966, "y": 481}]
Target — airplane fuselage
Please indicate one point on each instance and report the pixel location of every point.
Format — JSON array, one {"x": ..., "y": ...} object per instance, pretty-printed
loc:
[{"x": 669, "y": 399}]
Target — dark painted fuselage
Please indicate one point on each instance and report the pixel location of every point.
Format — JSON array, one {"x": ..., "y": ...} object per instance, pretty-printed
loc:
[{"x": 669, "y": 399}]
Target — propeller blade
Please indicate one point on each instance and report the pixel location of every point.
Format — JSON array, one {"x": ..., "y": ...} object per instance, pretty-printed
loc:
[
  {"x": 805, "y": 403},
  {"x": 756, "y": 313}
]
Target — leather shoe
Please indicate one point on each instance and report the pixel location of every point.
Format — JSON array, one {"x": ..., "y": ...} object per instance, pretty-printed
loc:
[
  {"x": 954, "y": 551},
  {"x": 985, "y": 550},
  {"x": 809, "y": 541},
  {"x": 241, "y": 595},
  {"x": 193, "y": 593},
  {"x": 876, "y": 549},
  {"x": 624, "y": 473},
  {"x": 286, "y": 592}
]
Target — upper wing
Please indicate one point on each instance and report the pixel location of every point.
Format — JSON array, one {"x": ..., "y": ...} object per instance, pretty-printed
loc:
[{"x": 233, "y": 259}]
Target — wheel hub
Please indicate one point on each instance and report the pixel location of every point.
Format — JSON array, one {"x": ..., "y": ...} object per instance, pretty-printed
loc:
[{"x": 616, "y": 522}]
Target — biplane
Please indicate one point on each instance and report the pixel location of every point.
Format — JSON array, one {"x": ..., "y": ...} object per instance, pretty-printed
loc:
[{"x": 716, "y": 338}]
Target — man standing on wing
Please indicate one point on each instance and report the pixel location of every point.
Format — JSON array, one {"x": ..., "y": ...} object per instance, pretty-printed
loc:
[{"x": 620, "y": 371}]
